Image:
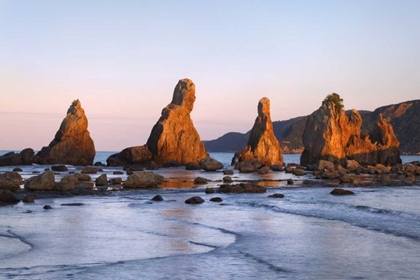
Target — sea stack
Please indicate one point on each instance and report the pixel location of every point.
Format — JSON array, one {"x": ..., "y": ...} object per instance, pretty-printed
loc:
[
  {"x": 332, "y": 134},
  {"x": 72, "y": 143},
  {"x": 262, "y": 143},
  {"x": 174, "y": 137}
]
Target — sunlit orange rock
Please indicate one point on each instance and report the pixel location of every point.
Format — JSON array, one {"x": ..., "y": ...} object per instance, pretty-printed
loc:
[
  {"x": 72, "y": 143},
  {"x": 331, "y": 134},
  {"x": 174, "y": 137},
  {"x": 262, "y": 143}
]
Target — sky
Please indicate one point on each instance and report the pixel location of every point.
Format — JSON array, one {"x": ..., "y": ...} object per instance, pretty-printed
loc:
[{"x": 122, "y": 60}]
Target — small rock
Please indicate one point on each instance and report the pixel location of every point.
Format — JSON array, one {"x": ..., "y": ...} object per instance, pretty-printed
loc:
[
  {"x": 277, "y": 167},
  {"x": 192, "y": 166},
  {"x": 157, "y": 198},
  {"x": 47, "y": 207},
  {"x": 83, "y": 177},
  {"x": 209, "y": 190},
  {"x": 276, "y": 195},
  {"x": 72, "y": 204},
  {"x": 90, "y": 170},
  {"x": 216, "y": 199},
  {"x": 30, "y": 198},
  {"x": 115, "y": 181},
  {"x": 210, "y": 164},
  {"x": 227, "y": 172},
  {"x": 194, "y": 200},
  {"x": 298, "y": 172},
  {"x": 17, "y": 169},
  {"x": 341, "y": 192},
  {"x": 264, "y": 170},
  {"x": 8, "y": 197},
  {"x": 200, "y": 180},
  {"x": 290, "y": 182},
  {"x": 118, "y": 173},
  {"x": 227, "y": 179},
  {"x": 102, "y": 180},
  {"x": 59, "y": 168}
]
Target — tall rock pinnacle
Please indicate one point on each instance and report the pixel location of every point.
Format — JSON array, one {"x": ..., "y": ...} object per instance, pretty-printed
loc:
[
  {"x": 174, "y": 137},
  {"x": 72, "y": 143},
  {"x": 262, "y": 142}
]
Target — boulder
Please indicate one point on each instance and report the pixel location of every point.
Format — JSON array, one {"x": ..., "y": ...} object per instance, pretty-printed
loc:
[
  {"x": 83, "y": 177},
  {"x": 332, "y": 134},
  {"x": 174, "y": 136},
  {"x": 14, "y": 176},
  {"x": 130, "y": 156},
  {"x": 157, "y": 198},
  {"x": 290, "y": 181},
  {"x": 242, "y": 188},
  {"x": 264, "y": 170},
  {"x": 44, "y": 181},
  {"x": 9, "y": 184},
  {"x": 341, "y": 192},
  {"x": 321, "y": 165},
  {"x": 298, "y": 171},
  {"x": 246, "y": 167},
  {"x": 72, "y": 143},
  {"x": 227, "y": 172},
  {"x": 277, "y": 167},
  {"x": 25, "y": 157},
  {"x": 200, "y": 180},
  {"x": 209, "y": 190},
  {"x": 8, "y": 197},
  {"x": 47, "y": 207},
  {"x": 17, "y": 169},
  {"x": 262, "y": 143},
  {"x": 276, "y": 195},
  {"x": 227, "y": 179},
  {"x": 90, "y": 170},
  {"x": 64, "y": 186},
  {"x": 143, "y": 179},
  {"x": 193, "y": 166},
  {"x": 210, "y": 164},
  {"x": 30, "y": 198},
  {"x": 253, "y": 188},
  {"x": 102, "y": 180},
  {"x": 330, "y": 175},
  {"x": 226, "y": 188},
  {"x": 59, "y": 168},
  {"x": 216, "y": 199},
  {"x": 194, "y": 200},
  {"x": 115, "y": 181}
]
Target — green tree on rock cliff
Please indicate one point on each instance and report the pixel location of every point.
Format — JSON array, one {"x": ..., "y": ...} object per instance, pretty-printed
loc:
[{"x": 336, "y": 100}]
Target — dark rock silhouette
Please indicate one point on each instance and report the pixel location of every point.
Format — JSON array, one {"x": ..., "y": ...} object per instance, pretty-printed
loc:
[
  {"x": 25, "y": 157},
  {"x": 72, "y": 143},
  {"x": 174, "y": 137},
  {"x": 137, "y": 155}
]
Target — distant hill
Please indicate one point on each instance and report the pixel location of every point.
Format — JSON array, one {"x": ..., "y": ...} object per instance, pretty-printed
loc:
[{"x": 404, "y": 117}]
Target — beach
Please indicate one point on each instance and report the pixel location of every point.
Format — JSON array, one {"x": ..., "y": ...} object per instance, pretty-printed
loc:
[{"x": 308, "y": 234}]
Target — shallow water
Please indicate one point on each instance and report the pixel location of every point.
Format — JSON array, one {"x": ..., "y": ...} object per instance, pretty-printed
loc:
[{"x": 309, "y": 234}]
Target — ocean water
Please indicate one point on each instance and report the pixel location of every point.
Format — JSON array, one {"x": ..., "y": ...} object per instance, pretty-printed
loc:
[{"x": 308, "y": 234}]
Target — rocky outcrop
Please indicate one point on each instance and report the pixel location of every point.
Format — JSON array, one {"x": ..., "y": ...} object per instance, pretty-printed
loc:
[
  {"x": 137, "y": 155},
  {"x": 44, "y": 181},
  {"x": 143, "y": 179},
  {"x": 210, "y": 164},
  {"x": 262, "y": 143},
  {"x": 174, "y": 137},
  {"x": 331, "y": 134},
  {"x": 25, "y": 157},
  {"x": 72, "y": 143}
]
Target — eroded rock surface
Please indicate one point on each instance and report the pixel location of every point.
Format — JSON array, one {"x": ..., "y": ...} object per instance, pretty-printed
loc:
[
  {"x": 72, "y": 143},
  {"x": 174, "y": 137},
  {"x": 262, "y": 143},
  {"x": 331, "y": 134}
]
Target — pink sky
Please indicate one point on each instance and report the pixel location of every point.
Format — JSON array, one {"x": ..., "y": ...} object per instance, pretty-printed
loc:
[{"x": 123, "y": 61}]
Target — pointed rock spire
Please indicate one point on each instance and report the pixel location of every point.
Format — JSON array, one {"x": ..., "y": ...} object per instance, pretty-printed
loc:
[{"x": 72, "y": 143}]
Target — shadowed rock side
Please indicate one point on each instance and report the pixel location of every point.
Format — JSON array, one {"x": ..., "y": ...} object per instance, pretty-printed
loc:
[
  {"x": 72, "y": 143},
  {"x": 262, "y": 142},
  {"x": 129, "y": 156},
  {"x": 174, "y": 137},
  {"x": 331, "y": 134}
]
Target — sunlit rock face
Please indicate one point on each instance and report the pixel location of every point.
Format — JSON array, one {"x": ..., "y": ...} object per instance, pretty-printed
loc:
[
  {"x": 331, "y": 134},
  {"x": 262, "y": 143},
  {"x": 72, "y": 143},
  {"x": 174, "y": 137}
]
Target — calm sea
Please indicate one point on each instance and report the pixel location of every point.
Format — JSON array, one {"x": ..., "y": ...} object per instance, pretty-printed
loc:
[{"x": 309, "y": 234}]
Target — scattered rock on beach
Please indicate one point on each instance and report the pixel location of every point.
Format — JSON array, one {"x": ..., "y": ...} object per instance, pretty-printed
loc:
[
  {"x": 102, "y": 180},
  {"x": 276, "y": 195},
  {"x": 227, "y": 179},
  {"x": 115, "y": 181},
  {"x": 59, "y": 168},
  {"x": 341, "y": 192},
  {"x": 216, "y": 199},
  {"x": 200, "y": 180},
  {"x": 8, "y": 197},
  {"x": 143, "y": 179},
  {"x": 30, "y": 198},
  {"x": 290, "y": 181},
  {"x": 9, "y": 184},
  {"x": 210, "y": 164},
  {"x": 47, "y": 207},
  {"x": 242, "y": 188},
  {"x": 44, "y": 181},
  {"x": 192, "y": 166},
  {"x": 90, "y": 170},
  {"x": 157, "y": 198},
  {"x": 17, "y": 169},
  {"x": 264, "y": 170},
  {"x": 227, "y": 172},
  {"x": 194, "y": 200},
  {"x": 209, "y": 190}
]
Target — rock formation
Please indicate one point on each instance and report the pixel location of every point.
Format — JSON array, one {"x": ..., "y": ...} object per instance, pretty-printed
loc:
[
  {"x": 331, "y": 134},
  {"x": 262, "y": 143},
  {"x": 173, "y": 137},
  {"x": 130, "y": 156},
  {"x": 72, "y": 143},
  {"x": 25, "y": 157}
]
